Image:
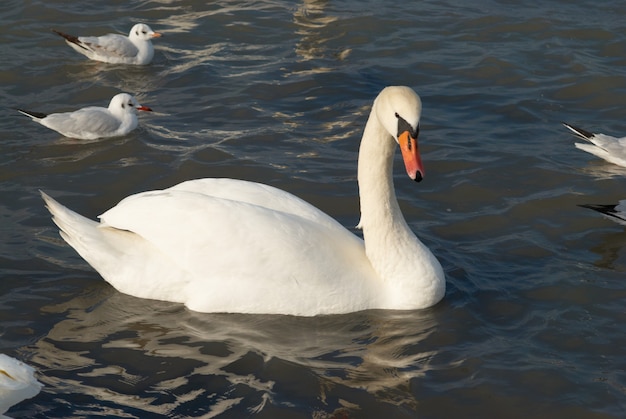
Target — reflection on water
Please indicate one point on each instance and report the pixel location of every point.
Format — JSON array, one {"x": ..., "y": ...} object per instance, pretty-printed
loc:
[
  {"x": 603, "y": 170},
  {"x": 532, "y": 323},
  {"x": 611, "y": 250},
  {"x": 312, "y": 21},
  {"x": 137, "y": 354}
]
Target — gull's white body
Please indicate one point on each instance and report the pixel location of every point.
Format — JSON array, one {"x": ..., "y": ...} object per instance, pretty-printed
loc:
[
  {"x": 136, "y": 48},
  {"x": 224, "y": 245},
  {"x": 611, "y": 149},
  {"x": 93, "y": 122},
  {"x": 17, "y": 383}
]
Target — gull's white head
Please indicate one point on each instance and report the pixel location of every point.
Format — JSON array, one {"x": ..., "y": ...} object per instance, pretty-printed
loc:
[
  {"x": 123, "y": 103},
  {"x": 142, "y": 32}
]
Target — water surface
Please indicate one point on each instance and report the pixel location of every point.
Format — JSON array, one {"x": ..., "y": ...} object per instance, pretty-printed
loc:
[{"x": 533, "y": 321}]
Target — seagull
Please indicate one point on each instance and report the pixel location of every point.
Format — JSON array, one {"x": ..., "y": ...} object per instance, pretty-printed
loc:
[
  {"x": 609, "y": 148},
  {"x": 136, "y": 48},
  {"x": 17, "y": 382},
  {"x": 614, "y": 212},
  {"x": 94, "y": 122}
]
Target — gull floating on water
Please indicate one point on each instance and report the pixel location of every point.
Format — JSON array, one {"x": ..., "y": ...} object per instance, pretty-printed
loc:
[
  {"x": 614, "y": 212},
  {"x": 17, "y": 383},
  {"x": 226, "y": 245},
  {"x": 94, "y": 122},
  {"x": 136, "y": 48},
  {"x": 609, "y": 148}
]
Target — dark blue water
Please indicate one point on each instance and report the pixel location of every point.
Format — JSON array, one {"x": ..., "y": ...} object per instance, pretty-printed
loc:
[{"x": 533, "y": 321}]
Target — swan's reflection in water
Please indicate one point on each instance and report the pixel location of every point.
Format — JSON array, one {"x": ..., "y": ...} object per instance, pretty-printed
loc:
[{"x": 120, "y": 352}]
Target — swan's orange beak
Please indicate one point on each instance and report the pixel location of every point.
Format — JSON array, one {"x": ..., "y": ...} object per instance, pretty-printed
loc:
[{"x": 411, "y": 156}]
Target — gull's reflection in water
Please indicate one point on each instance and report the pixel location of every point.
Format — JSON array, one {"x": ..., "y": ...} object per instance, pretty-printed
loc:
[
  {"x": 603, "y": 170},
  {"x": 612, "y": 250},
  {"x": 126, "y": 353}
]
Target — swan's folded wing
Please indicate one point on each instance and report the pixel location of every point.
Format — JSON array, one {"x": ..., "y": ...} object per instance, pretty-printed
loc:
[
  {"x": 257, "y": 194},
  {"x": 210, "y": 235},
  {"x": 247, "y": 256}
]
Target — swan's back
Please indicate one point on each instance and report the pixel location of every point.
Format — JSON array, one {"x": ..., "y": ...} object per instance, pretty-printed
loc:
[
  {"x": 258, "y": 194},
  {"x": 221, "y": 245}
]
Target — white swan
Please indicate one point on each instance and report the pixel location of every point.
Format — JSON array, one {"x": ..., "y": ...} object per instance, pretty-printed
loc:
[
  {"x": 224, "y": 245},
  {"x": 611, "y": 149},
  {"x": 136, "y": 48},
  {"x": 17, "y": 383}
]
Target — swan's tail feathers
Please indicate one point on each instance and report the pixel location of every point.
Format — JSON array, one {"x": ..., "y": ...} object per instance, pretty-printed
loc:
[
  {"x": 123, "y": 258},
  {"x": 34, "y": 115},
  {"x": 76, "y": 230},
  {"x": 70, "y": 39},
  {"x": 586, "y": 135}
]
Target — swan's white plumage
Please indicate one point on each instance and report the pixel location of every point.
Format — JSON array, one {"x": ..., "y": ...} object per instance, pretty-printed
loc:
[
  {"x": 17, "y": 382},
  {"x": 224, "y": 245}
]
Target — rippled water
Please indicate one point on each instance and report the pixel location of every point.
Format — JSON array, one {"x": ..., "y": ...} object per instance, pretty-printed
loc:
[{"x": 533, "y": 322}]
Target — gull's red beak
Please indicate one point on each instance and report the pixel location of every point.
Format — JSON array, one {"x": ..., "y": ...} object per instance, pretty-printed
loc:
[{"x": 144, "y": 108}]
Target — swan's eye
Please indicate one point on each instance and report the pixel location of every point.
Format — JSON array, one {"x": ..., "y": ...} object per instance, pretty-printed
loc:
[{"x": 404, "y": 126}]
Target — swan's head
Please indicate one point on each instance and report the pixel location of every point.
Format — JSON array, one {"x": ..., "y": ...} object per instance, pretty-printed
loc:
[{"x": 399, "y": 109}]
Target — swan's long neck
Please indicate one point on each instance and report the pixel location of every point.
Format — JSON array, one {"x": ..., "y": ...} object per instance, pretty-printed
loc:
[
  {"x": 379, "y": 206},
  {"x": 411, "y": 273}
]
